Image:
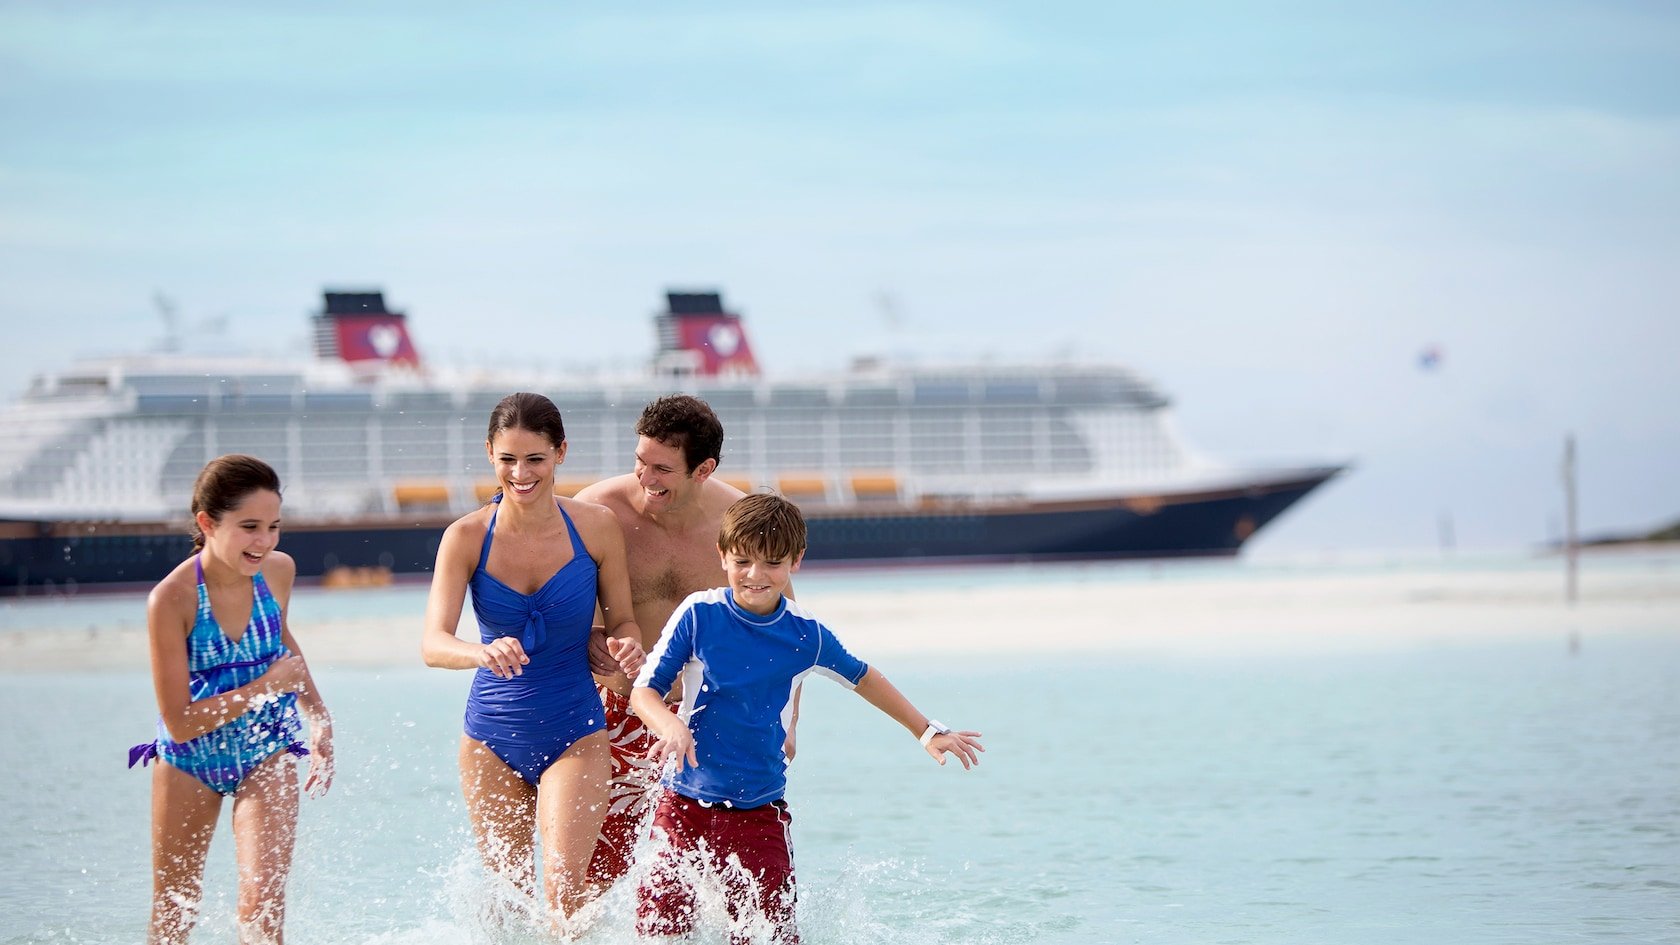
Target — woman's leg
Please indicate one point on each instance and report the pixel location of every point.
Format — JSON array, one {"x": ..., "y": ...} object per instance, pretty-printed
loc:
[
  {"x": 265, "y": 810},
  {"x": 503, "y": 808},
  {"x": 571, "y": 804},
  {"x": 184, "y": 814}
]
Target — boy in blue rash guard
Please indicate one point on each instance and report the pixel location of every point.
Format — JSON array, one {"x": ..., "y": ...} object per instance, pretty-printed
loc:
[{"x": 742, "y": 651}]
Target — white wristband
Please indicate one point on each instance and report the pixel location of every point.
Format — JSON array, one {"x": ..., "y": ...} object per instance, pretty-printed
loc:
[{"x": 935, "y": 727}]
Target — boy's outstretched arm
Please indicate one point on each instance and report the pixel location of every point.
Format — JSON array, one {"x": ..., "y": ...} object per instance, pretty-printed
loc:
[{"x": 885, "y": 696}]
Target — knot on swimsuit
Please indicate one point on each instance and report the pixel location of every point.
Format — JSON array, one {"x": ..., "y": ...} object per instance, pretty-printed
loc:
[
  {"x": 532, "y": 719},
  {"x": 536, "y": 631}
]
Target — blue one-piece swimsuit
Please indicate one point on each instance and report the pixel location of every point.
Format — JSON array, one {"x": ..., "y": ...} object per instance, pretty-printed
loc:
[
  {"x": 223, "y": 756},
  {"x": 530, "y": 720}
]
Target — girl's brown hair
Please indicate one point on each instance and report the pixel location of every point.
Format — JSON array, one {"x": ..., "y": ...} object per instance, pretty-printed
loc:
[{"x": 223, "y": 483}]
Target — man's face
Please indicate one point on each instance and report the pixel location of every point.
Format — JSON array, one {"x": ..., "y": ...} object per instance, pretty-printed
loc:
[{"x": 663, "y": 473}]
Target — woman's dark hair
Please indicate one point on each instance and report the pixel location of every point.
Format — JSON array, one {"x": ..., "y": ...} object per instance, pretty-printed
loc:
[
  {"x": 525, "y": 411},
  {"x": 224, "y": 483}
]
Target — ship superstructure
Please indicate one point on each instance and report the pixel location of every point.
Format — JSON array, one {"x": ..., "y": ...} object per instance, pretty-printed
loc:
[{"x": 367, "y": 438}]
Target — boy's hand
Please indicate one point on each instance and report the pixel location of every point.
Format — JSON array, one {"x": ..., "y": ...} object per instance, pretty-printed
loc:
[
  {"x": 628, "y": 653},
  {"x": 964, "y": 745},
  {"x": 676, "y": 743}
]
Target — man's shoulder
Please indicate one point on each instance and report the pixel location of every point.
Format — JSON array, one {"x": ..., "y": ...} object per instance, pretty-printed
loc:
[
  {"x": 612, "y": 492},
  {"x": 719, "y": 496}
]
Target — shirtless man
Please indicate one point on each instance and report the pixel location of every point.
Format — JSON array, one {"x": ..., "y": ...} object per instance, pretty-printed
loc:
[{"x": 671, "y": 510}]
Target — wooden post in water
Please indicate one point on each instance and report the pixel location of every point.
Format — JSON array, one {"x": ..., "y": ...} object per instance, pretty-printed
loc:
[{"x": 1570, "y": 543}]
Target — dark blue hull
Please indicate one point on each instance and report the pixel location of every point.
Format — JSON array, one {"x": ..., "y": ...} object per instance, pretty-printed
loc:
[{"x": 68, "y": 557}]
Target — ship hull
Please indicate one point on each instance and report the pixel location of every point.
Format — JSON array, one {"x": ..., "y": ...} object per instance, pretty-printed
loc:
[{"x": 68, "y": 557}]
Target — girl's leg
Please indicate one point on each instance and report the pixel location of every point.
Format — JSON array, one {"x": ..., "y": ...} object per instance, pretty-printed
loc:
[
  {"x": 571, "y": 805},
  {"x": 184, "y": 814},
  {"x": 503, "y": 808},
  {"x": 265, "y": 810}
]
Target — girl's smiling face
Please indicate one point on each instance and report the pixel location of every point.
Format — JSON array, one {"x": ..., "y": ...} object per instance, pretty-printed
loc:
[{"x": 245, "y": 534}]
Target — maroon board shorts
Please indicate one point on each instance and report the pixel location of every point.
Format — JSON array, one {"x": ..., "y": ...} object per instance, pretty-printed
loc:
[{"x": 761, "y": 886}]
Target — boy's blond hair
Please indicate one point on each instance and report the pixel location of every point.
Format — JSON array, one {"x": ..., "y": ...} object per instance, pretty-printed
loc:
[{"x": 763, "y": 525}]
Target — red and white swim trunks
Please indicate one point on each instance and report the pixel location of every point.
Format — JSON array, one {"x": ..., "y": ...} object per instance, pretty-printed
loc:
[{"x": 630, "y": 793}]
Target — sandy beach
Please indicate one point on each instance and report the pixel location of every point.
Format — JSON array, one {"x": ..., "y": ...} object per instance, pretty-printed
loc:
[{"x": 1072, "y": 610}]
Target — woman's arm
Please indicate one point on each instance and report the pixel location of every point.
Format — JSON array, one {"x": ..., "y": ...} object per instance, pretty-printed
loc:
[
  {"x": 605, "y": 540},
  {"x": 439, "y": 646}
]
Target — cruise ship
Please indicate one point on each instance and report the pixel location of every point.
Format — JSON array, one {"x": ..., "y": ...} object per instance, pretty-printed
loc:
[{"x": 378, "y": 451}]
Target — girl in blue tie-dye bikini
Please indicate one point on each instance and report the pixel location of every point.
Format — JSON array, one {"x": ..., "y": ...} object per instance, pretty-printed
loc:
[{"x": 230, "y": 684}]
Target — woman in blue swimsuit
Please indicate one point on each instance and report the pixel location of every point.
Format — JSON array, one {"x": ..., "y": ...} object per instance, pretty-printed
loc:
[
  {"x": 230, "y": 682},
  {"x": 534, "y": 754}
]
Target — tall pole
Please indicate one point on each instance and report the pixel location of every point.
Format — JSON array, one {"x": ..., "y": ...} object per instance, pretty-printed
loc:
[{"x": 1570, "y": 544}]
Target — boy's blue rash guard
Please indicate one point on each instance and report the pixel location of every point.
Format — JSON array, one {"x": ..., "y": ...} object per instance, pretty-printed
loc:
[{"x": 739, "y": 673}]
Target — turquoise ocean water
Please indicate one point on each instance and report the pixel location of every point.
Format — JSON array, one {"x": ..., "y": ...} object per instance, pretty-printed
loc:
[{"x": 1506, "y": 789}]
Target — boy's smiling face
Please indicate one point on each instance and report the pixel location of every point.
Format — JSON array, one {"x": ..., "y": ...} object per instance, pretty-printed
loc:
[{"x": 758, "y": 582}]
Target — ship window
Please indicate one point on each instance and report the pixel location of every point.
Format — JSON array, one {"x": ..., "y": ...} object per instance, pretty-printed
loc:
[
  {"x": 1086, "y": 389},
  {"x": 480, "y": 405},
  {"x": 252, "y": 385},
  {"x": 872, "y": 397},
  {"x": 172, "y": 403},
  {"x": 1022, "y": 391},
  {"x": 798, "y": 397},
  {"x": 338, "y": 400},
  {"x": 635, "y": 399},
  {"x": 723, "y": 398},
  {"x": 248, "y": 403},
  {"x": 85, "y": 383},
  {"x": 932, "y": 393},
  {"x": 421, "y": 400},
  {"x": 196, "y": 385},
  {"x": 571, "y": 400}
]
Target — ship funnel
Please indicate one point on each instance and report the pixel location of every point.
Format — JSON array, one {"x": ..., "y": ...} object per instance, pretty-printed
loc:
[
  {"x": 698, "y": 338},
  {"x": 356, "y": 328}
]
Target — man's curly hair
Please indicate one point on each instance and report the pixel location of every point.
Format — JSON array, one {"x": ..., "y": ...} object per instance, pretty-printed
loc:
[{"x": 686, "y": 423}]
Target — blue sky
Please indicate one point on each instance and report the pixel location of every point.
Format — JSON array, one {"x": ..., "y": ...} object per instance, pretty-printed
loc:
[{"x": 1269, "y": 211}]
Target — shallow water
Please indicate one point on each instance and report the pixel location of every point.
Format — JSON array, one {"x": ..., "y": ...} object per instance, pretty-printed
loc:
[{"x": 1511, "y": 790}]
